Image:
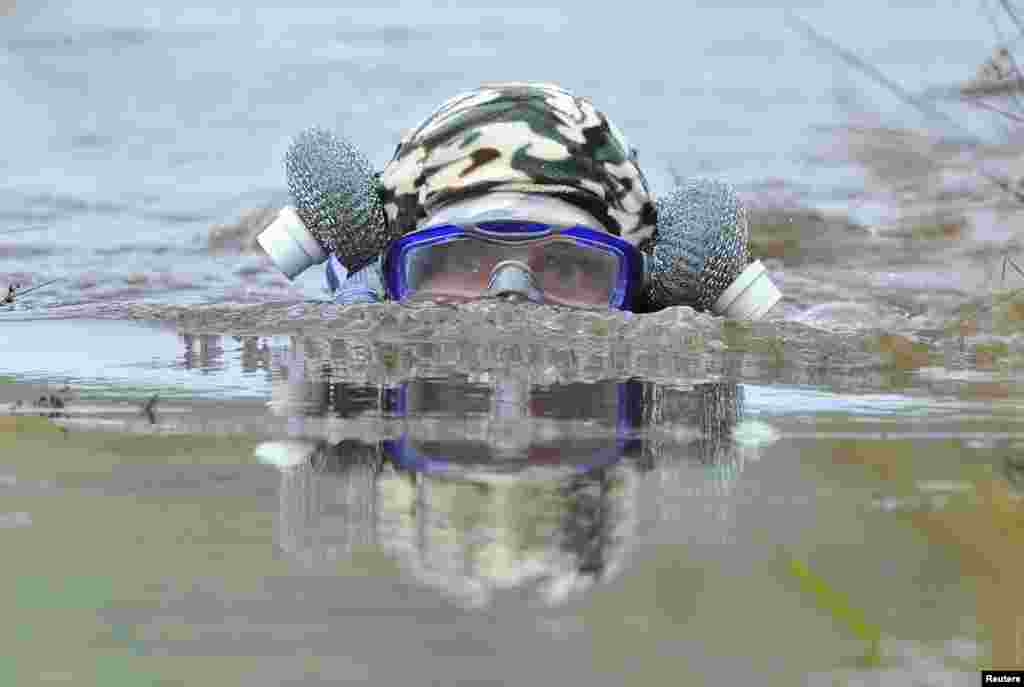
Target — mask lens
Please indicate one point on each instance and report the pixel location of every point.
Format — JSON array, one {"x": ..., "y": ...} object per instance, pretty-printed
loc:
[
  {"x": 566, "y": 270},
  {"x": 458, "y": 268},
  {"x": 572, "y": 274}
]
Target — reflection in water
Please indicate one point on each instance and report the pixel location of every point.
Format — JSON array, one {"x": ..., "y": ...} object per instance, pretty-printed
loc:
[
  {"x": 505, "y": 484},
  {"x": 502, "y": 484},
  {"x": 254, "y": 354},
  {"x": 210, "y": 355}
]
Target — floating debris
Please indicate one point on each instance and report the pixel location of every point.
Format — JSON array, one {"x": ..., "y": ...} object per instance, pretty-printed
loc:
[
  {"x": 12, "y": 290},
  {"x": 11, "y": 520},
  {"x": 997, "y": 76},
  {"x": 1013, "y": 469},
  {"x": 932, "y": 495},
  {"x": 149, "y": 408},
  {"x": 943, "y": 486},
  {"x": 239, "y": 237},
  {"x": 16, "y": 290}
]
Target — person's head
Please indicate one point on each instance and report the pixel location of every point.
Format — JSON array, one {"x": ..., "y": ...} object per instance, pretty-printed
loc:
[
  {"x": 517, "y": 189},
  {"x": 524, "y": 140}
]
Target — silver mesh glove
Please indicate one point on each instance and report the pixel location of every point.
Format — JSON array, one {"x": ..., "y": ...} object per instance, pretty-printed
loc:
[
  {"x": 334, "y": 190},
  {"x": 700, "y": 246}
]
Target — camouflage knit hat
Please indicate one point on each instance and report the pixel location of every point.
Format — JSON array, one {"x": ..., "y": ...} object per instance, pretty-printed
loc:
[{"x": 525, "y": 137}]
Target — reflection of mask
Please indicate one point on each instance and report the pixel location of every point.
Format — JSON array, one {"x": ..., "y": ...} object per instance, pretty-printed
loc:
[{"x": 585, "y": 426}]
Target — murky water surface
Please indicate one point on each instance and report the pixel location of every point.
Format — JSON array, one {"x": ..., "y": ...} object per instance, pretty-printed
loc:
[
  {"x": 362, "y": 503},
  {"x": 210, "y": 475}
]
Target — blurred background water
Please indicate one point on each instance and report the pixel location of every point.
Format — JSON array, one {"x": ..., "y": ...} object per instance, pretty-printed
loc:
[{"x": 131, "y": 131}]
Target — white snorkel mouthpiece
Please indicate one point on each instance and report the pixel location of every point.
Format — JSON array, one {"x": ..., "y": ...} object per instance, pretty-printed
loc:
[
  {"x": 750, "y": 296},
  {"x": 290, "y": 246}
]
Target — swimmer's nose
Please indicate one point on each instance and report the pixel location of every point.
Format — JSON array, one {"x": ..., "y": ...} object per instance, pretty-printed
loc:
[{"x": 513, "y": 280}]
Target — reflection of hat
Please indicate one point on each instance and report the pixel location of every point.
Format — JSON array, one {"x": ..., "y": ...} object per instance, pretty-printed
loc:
[
  {"x": 553, "y": 534},
  {"x": 548, "y": 530}
]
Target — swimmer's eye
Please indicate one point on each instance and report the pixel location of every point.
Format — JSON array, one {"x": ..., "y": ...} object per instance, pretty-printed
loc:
[{"x": 569, "y": 266}]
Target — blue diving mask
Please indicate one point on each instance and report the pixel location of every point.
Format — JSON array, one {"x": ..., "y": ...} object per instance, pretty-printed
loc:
[{"x": 576, "y": 266}]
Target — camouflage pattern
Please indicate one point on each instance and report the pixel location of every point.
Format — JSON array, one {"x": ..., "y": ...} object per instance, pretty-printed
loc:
[{"x": 525, "y": 137}]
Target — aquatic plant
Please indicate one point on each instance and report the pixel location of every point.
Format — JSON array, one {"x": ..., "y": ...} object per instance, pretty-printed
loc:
[{"x": 839, "y": 607}]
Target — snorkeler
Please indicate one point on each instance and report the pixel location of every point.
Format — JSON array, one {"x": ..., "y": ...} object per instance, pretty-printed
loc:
[{"x": 519, "y": 190}]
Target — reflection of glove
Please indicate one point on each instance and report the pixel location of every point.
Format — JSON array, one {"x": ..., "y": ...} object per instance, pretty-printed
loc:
[
  {"x": 713, "y": 409},
  {"x": 286, "y": 455},
  {"x": 364, "y": 286},
  {"x": 327, "y": 503}
]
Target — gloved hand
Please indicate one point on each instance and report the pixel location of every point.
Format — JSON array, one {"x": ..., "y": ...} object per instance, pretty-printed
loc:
[{"x": 364, "y": 286}]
